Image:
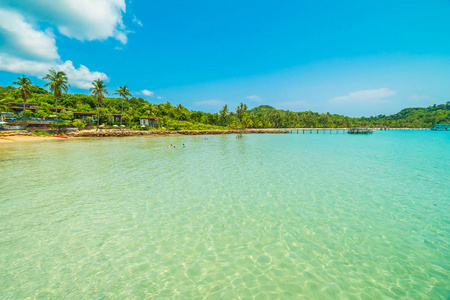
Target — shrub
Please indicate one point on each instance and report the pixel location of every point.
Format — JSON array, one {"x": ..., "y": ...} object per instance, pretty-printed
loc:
[
  {"x": 42, "y": 133},
  {"x": 80, "y": 124}
]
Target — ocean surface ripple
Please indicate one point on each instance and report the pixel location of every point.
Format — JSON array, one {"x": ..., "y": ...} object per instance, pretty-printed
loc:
[{"x": 316, "y": 216}]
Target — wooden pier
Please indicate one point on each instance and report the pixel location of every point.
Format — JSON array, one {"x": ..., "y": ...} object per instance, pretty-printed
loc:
[
  {"x": 332, "y": 130},
  {"x": 360, "y": 130}
]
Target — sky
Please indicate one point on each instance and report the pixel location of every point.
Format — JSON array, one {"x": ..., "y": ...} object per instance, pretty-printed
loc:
[{"x": 349, "y": 57}]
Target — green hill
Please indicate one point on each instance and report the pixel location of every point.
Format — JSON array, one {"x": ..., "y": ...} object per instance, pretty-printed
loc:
[{"x": 177, "y": 116}]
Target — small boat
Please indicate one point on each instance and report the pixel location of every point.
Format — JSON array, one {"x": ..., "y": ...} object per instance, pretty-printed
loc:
[
  {"x": 441, "y": 127},
  {"x": 360, "y": 130},
  {"x": 61, "y": 136}
]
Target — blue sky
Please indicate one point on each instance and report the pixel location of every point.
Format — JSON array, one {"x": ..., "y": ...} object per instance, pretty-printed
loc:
[{"x": 349, "y": 57}]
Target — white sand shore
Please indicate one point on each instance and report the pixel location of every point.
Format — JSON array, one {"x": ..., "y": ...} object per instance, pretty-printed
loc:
[{"x": 25, "y": 138}]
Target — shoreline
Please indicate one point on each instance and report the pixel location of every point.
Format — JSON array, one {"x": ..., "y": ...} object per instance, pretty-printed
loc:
[
  {"x": 25, "y": 136},
  {"x": 124, "y": 133}
]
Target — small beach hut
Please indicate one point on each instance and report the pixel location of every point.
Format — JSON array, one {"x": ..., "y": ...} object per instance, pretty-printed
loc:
[
  {"x": 116, "y": 118},
  {"x": 85, "y": 115},
  {"x": 147, "y": 121}
]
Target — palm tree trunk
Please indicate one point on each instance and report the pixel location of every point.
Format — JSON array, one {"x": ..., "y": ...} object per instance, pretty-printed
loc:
[
  {"x": 121, "y": 115},
  {"x": 98, "y": 114},
  {"x": 56, "y": 108},
  {"x": 56, "y": 113},
  {"x": 24, "y": 97}
]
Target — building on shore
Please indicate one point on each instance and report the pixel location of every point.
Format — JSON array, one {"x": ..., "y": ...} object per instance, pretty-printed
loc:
[
  {"x": 116, "y": 118},
  {"x": 85, "y": 115},
  {"x": 147, "y": 121},
  {"x": 17, "y": 107}
]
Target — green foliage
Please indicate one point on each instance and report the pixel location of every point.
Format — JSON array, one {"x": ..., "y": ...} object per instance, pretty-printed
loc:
[
  {"x": 179, "y": 117},
  {"x": 60, "y": 124},
  {"x": 4, "y": 106},
  {"x": 57, "y": 81},
  {"x": 42, "y": 133},
  {"x": 80, "y": 124}
]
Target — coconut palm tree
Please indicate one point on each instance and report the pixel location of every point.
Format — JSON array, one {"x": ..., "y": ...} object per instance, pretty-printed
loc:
[
  {"x": 241, "y": 114},
  {"x": 58, "y": 82},
  {"x": 224, "y": 114},
  {"x": 98, "y": 89},
  {"x": 179, "y": 110},
  {"x": 123, "y": 92},
  {"x": 156, "y": 113},
  {"x": 149, "y": 109},
  {"x": 167, "y": 107},
  {"x": 25, "y": 90}
]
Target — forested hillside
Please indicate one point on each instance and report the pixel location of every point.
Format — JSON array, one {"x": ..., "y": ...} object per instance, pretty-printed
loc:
[{"x": 177, "y": 116}]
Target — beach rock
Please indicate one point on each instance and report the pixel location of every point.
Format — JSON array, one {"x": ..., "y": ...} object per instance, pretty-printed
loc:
[{"x": 121, "y": 133}]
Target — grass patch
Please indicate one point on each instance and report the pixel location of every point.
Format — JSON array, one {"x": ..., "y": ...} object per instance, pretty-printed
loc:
[{"x": 42, "y": 133}]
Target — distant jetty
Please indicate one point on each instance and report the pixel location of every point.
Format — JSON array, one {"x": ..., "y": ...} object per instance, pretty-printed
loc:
[
  {"x": 441, "y": 127},
  {"x": 359, "y": 130}
]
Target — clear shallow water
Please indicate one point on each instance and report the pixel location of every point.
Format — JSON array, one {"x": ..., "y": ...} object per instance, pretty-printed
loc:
[{"x": 320, "y": 216}]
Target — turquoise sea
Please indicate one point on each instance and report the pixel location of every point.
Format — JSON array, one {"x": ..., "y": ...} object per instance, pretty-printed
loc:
[{"x": 266, "y": 216}]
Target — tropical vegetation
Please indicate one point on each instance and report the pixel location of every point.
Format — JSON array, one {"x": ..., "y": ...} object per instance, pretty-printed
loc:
[
  {"x": 58, "y": 82},
  {"x": 132, "y": 108},
  {"x": 24, "y": 89}
]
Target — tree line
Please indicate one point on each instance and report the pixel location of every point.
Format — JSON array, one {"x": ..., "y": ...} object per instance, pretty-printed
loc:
[{"x": 170, "y": 116}]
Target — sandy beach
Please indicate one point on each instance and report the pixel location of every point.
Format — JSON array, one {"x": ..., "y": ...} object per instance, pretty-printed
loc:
[
  {"x": 25, "y": 138},
  {"x": 28, "y": 137}
]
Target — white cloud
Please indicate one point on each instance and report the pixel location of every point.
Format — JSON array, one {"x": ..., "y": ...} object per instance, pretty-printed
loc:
[
  {"x": 212, "y": 102},
  {"x": 147, "y": 93},
  {"x": 365, "y": 96},
  {"x": 254, "y": 98},
  {"x": 20, "y": 38},
  {"x": 27, "y": 49},
  {"x": 137, "y": 21},
  {"x": 80, "y": 19},
  {"x": 159, "y": 97},
  {"x": 23, "y": 66},
  {"x": 81, "y": 77}
]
